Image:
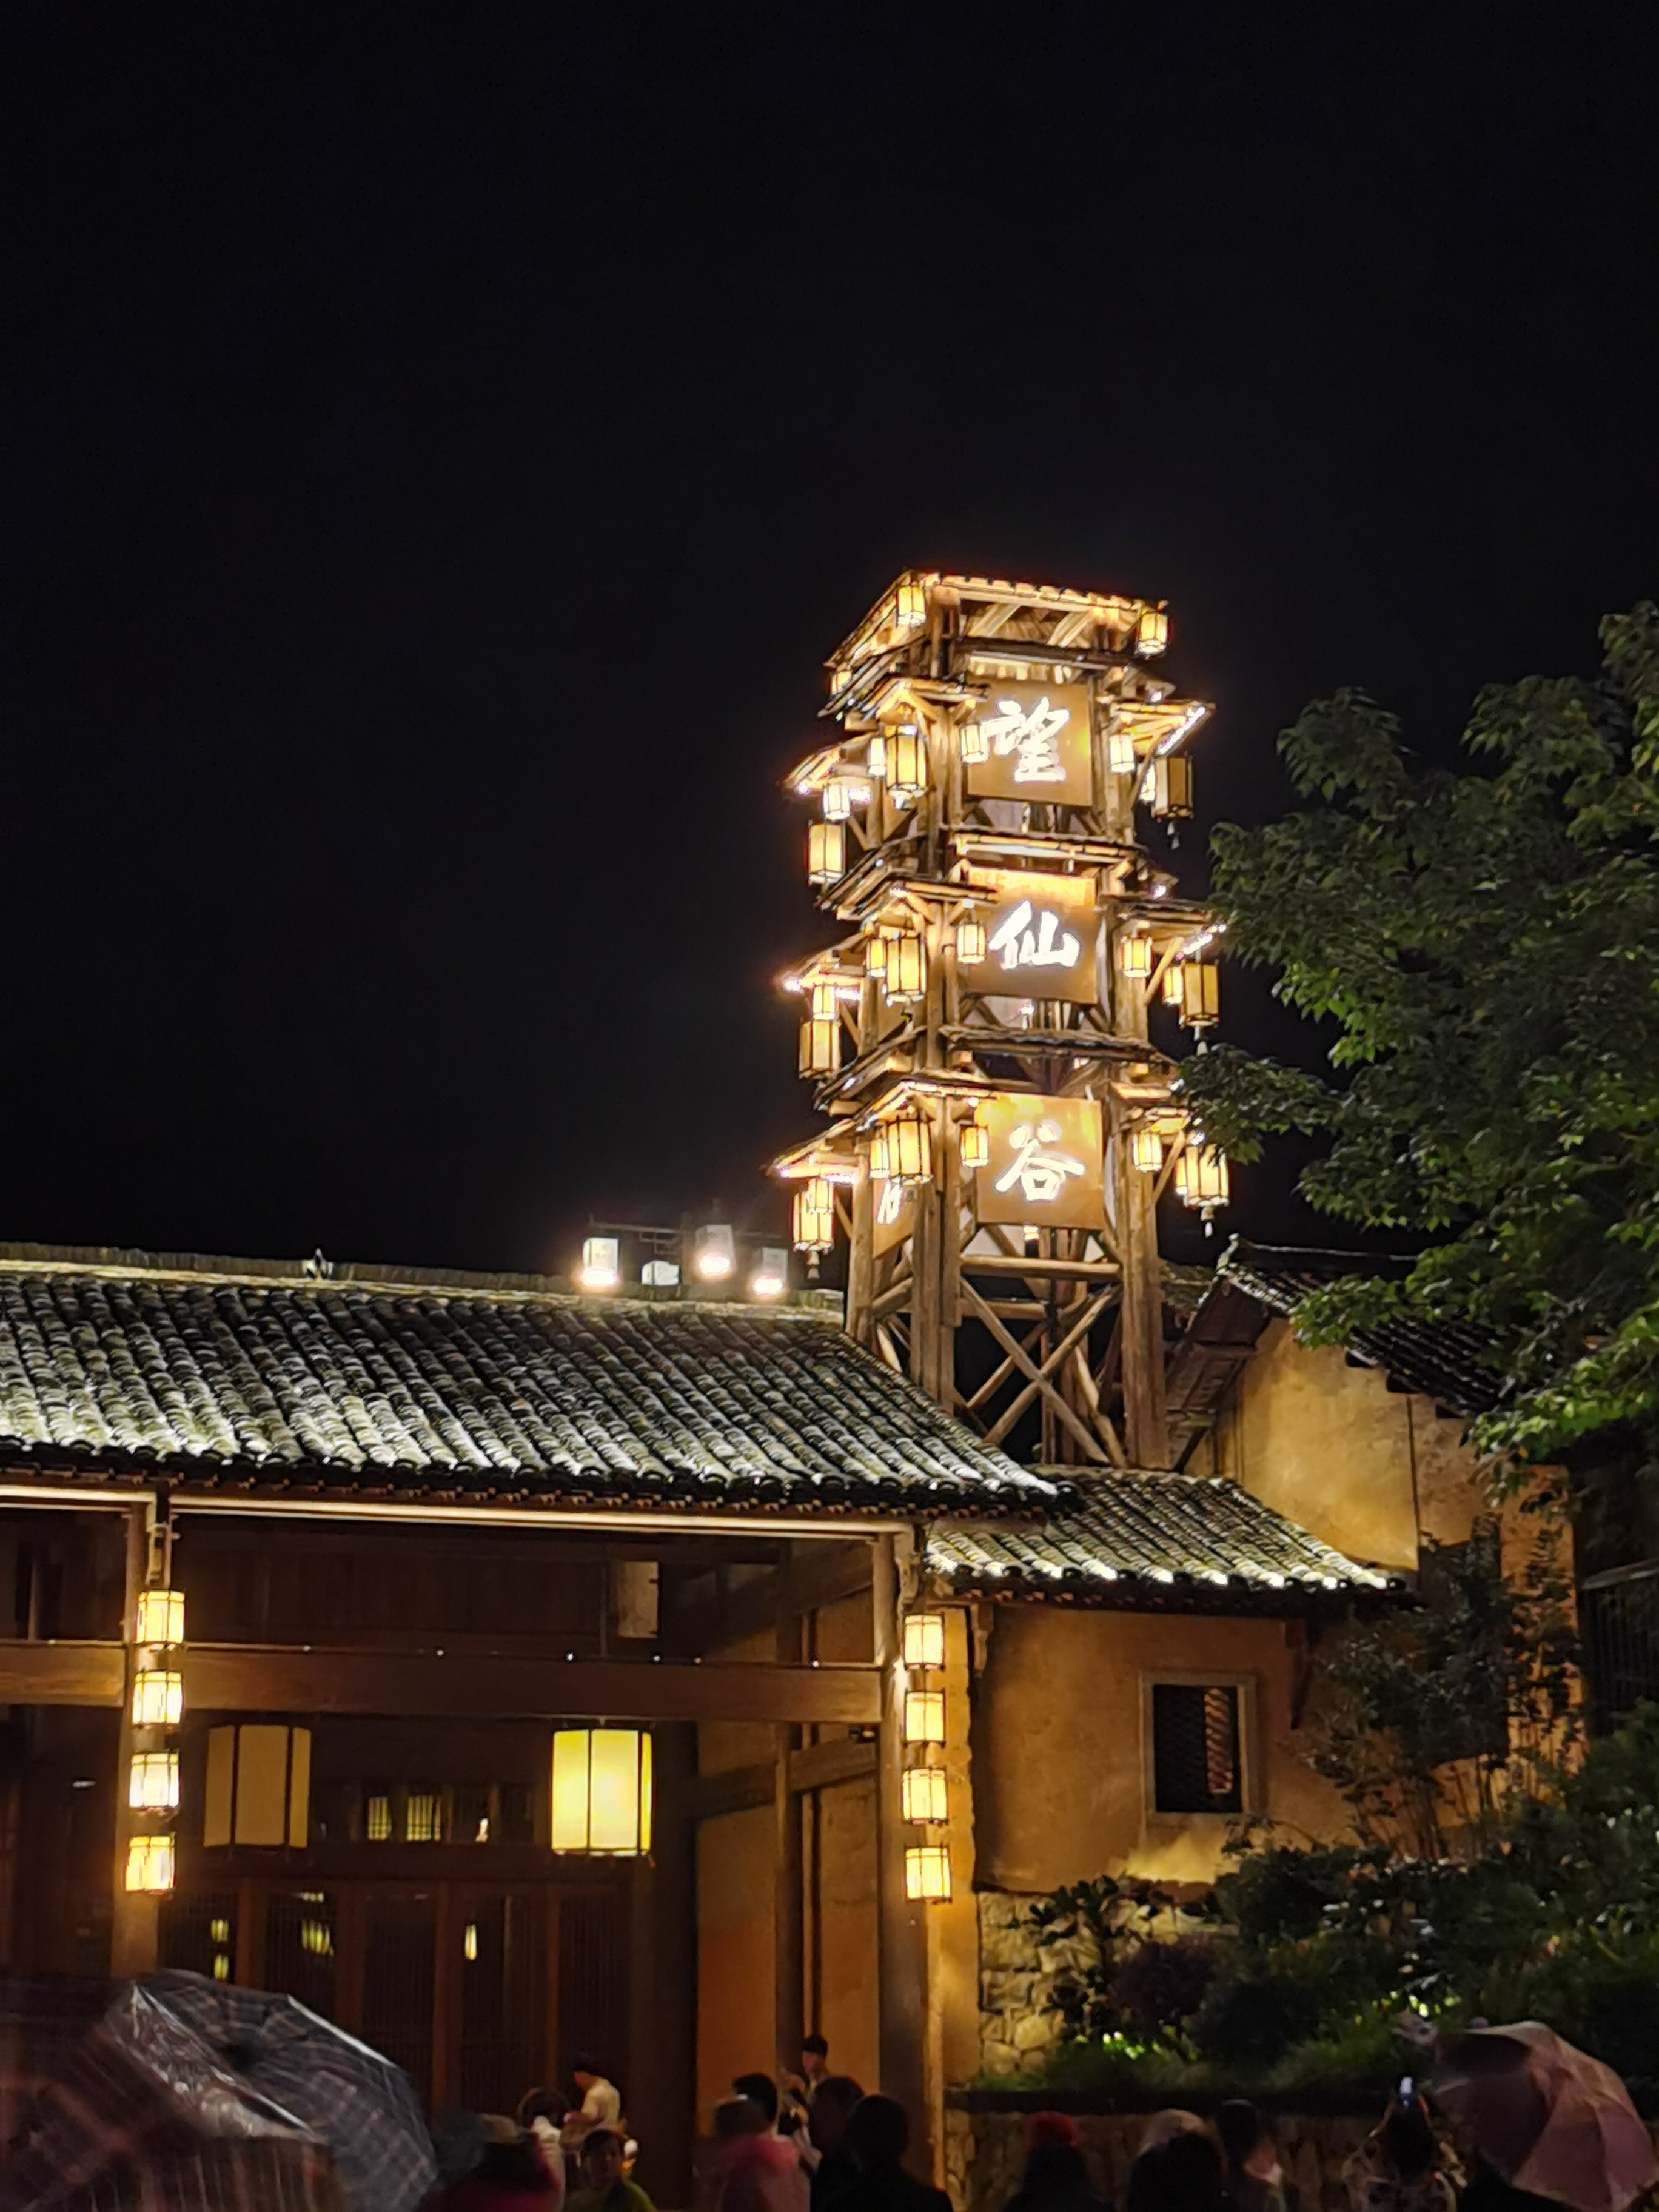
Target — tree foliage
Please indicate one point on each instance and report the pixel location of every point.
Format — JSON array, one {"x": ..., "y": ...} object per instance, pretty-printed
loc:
[{"x": 1485, "y": 946}]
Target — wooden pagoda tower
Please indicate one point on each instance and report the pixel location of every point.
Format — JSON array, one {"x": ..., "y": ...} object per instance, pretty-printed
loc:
[{"x": 994, "y": 1038}]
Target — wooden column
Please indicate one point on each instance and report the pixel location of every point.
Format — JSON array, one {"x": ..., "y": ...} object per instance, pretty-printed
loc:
[
  {"x": 1145, "y": 1416},
  {"x": 902, "y": 1948},
  {"x": 789, "y": 1894},
  {"x": 136, "y": 1928},
  {"x": 662, "y": 2088}
]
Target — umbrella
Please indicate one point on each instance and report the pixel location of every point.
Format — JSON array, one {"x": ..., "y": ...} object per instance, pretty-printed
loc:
[{"x": 1550, "y": 2118}]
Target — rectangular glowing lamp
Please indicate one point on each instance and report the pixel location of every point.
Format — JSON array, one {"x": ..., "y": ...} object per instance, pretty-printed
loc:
[
  {"x": 153, "y": 1782},
  {"x": 924, "y": 1716},
  {"x": 149, "y": 1864},
  {"x": 924, "y": 1794},
  {"x": 160, "y": 1617},
  {"x": 602, "y": 1791},
  {"x": 924, "y": 1639},
  {"x": 158, "y": 1697},
  {"x": 928, "y": 1872}
]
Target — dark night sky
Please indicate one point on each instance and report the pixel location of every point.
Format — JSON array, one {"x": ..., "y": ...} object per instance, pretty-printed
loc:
[{"x": 440, "y": 449}]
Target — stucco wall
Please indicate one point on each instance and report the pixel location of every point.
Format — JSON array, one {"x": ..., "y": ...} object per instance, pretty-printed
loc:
[
  {"x": 1331, "y": 1446},
  {"x": 1060, "y": 1789}
]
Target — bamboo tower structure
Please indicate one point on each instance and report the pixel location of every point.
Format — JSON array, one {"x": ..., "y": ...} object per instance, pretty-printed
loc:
[{"x": 1000, "y": 1122}]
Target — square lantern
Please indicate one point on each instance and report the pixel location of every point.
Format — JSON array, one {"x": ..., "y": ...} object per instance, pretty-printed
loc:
[
  {"x": 909, "y": 604},
  {"x": 974, "y": 743},
  {"x": 838, "y": 800},
  {"x": 1121, "y": 759},
  {"x": 814, "y": 1221},
  {"x": 1146, "y": 1150},
  {"x": 714, "y": 1251},
  {"x": 158, "y": 1697},
  {"x": 924, "y": 1639},
  {"x": 1200, "y": 992},
  {"x": 975, "y": 1145},
  {"x": 924, "y": 1716},
  {"x": 1134, "y": 957},
  {"x": 826, "y": 852},
  {"x": 824, "y": 1002},
  {"x": 928, "y": 1872},
  {"x": 820, "y": 1047},
  {"x": 971, "y": 942},
  {"x": 1170, "y": 783},
  {"x": 925, "y": 1795},
  {"x": 906, "y": 762},
  {"x": 875, "y": 758},
  {"x": 1201, "y": 1177},
  {"x": 1172, "y": 984},
  {"x": 661, "y": 1274},
  {"x": 153, "y": 1782},
  {"x": 1152, "y": 631},
  {"x": 602, "y": 1792},
  {"x": 909, "y": 1148},
  {"x": 771, "y": 1276},
  {"x": 904, "y": 979},
  {"x": 150, "y": 1865},
  {"x": 601, "y": 1268},
  {"x": 875, "y": 955},
  {"x": 160, "y": 1617}
]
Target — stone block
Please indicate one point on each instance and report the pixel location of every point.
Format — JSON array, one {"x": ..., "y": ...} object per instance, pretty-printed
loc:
[
  {"x": 999, "y": 2058},
  {"x": 1034, "y": 2030}
]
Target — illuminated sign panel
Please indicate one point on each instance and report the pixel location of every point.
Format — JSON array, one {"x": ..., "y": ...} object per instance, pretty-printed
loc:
[
  {"x": 893, "y": 1212},
  {"x": 1035, "y": 738},
  {"x": 1046, "y": 1163},
  {"x": 1041, "y": 933}
]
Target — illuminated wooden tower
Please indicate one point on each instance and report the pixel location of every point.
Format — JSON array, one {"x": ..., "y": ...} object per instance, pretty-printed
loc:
[{"x": 1000, "y": 1123}]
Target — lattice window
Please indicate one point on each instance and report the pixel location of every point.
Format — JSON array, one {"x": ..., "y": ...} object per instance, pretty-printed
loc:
[
  {"x": 1619, "y": 1618},
  {"x": 1197, "y": 1752}
]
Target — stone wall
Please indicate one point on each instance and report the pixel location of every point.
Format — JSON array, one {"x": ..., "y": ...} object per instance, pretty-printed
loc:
[
  {"x": 1018, "y": 1966},
  {"x": 985, "y": 2152}
]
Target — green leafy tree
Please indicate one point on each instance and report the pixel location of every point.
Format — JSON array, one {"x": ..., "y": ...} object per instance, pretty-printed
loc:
[{"x": 1484, "y": 946}]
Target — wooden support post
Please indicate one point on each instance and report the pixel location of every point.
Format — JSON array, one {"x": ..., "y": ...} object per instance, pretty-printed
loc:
[
  {"x": 136, "y": 1926},
  {"x": 789, "y": 1904},
  {"x": 902, "y": 1947},
  {"x": 1146, "y": 1418},
  {"x": 662, "y": 2096}
]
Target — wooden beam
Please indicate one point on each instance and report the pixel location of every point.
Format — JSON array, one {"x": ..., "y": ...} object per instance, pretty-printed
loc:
[
  {"x": 1038, "y": 1380},
  {"x": 814, "y": 1766},
  {"x": 264, "y": 1677},
  {"x": 799, "y": 1585},
  {"x": 78, "y": 1673},
  {"x": 1059, "y": 1271}
]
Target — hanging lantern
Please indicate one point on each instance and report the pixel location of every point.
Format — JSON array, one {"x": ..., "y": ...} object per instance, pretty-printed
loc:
[
  {"x": 974, "y": 744},
  {"x": 926, "y": 1799},
  {"x": 814, "y": 1216},
  {"x": 1200, "y": 992},
  {"x": 824, "y": 1002},
  {"x": 1171, "y": 993},
  {"x": 904, "y": 978},
  {"x": 875, "y": 955},
  {"x": 838, "y": 801},
  {"x": 924, "y": 1639},
  {"x": 826, "y": 852},
  {"x": 909, "y": 604},
  {"x": 149, "y": 1865},
  {"x": 1152, "y": 631},
  {"x": 1170, "y": 786},
  {"x": 906, "y": 762},
  {"x": 1201, "y": 1177},
  {"x": 928, "y": 1872},
  {"x": 971, "y": 942},
  {"x": 924, "y": 1716},
  {"x": 909, "y": 1148},
  {"x": 1120, "y": 755},
  {"x": 881, "y": 1170},
  {"x": 820, "y": 1047},
  {"x": 875, "y": 759},
  {"x": 153, "y": 1782},
  {"x": 975, "y": 1144},
  {"x": 1146, "y": 1150},
  {"x": 602, "y": 1792},
  {"x": 160, "y": 1618},
  {"x": 1134, "y": 957},
  {"x": 158, "y": 1697}
]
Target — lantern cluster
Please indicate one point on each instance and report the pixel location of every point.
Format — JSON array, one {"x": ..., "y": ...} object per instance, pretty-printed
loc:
[
  {"x": 157, "y": 1708},
  {"x": 926, "y": 1799}
]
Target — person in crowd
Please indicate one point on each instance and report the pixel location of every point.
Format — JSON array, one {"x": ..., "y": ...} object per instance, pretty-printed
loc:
[
  {"x": 491, "y": 2164},
  {"x": 1179, "y": 2168},
  {"x": 1400, "y": 2166},
  {"x": 539, "y": 2112},
  {"x": 1256, "y": 2180},
  {"x": 1055, "y": 2178},
  {"x": 760, "y": 2089},
  {"x": 799, "y": 2089},
  {"x": 751, "y": 2167},
  {"x": 604, "y": 2186},
  {"x": 878, "y": 2135},
  {"x": 832, "y": 2169},
  {"x": 598, "y": 2104}
]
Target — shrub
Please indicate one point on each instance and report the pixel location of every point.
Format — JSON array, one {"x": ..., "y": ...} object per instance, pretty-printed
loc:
[
  {"x": 1161, "y": 1985},
  {"x": 1252, "y": 2019}
]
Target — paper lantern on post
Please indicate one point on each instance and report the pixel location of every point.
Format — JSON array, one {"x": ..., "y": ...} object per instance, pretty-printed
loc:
[
  {"x": 153, "y": 1782},
  {"x": 924, "y": 1639},
  {"x": 928, "y": 1872},
  {"x": 925, "y": 1795},
  {"x": 150, "y": 1865},
  {"x": 160, "y": 1617},
  {"x": 158, "y": 1697},
  {"x": 602, "y": 1792},
  {"x": 924, "y": 1716}
]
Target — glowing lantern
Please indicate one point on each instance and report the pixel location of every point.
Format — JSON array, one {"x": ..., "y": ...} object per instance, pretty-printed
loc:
[
  {"x": 880, "y": 1169},
  {"x": 927, "y": 1874},
  {"x": 714, "y": 1253},
  {"x": 924, "y": 1639},
  {"x": 826, "y": 852},
  {"x": 158, "y": 1697},
  {"x": 771, "y": 1278},
  {"x": 909, "y": 1148},
  {"x": 975, "y": 745},
  {"x": 875, "y": 760},
  {"x": 971, "y": 942},
  {"x": 1172, "y": 984},
  {"x": 904, "y": 979},
  {"x": 1200, "y": 992},
  {"x": 838, "y": 801},
  {"x": 149, "y": 1864},
  {"x": 875, "y": 955},
  {"x": 601, "y": 1268},
  {"x": 1170, "y": 781},
  {"x": 924, "y": 1716},
  {"x": 909, "y": 604},
  {"x": 814, "y": 1216},
  {"x": 1201, "y": 1177},
  {"x": 160, "y": 1618},
  {"x": 1152, "y": 632},
  {"x": 824, "y": 1002},
  {"x": 1146, "y": 1150},
  {"x": 925, "y": 1800},
  {"x": 153, "y": 1782},
  {"x": 602, "y": 1791},
  {"x": 1134, "y": 957},
  {"x": 975, "y": 1144},
  {"x": 820, "y": 1047},
  {"x": 1121, "y": 756},
  {"x": 906, "y": 762}
]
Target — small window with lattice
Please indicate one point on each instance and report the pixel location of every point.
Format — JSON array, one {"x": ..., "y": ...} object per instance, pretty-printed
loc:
[
  {"x": 1198, "y": 1762},
  {"x": 423, "y": 1821}
]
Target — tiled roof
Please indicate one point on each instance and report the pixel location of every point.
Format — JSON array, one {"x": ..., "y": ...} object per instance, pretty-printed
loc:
[
  {"x": 1141, "y": 1541},
  {"x": 1453, "y": 1362},
  {"x": 244, "y": 1377}
]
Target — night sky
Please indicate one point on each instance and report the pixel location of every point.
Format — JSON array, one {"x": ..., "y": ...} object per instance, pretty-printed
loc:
[{"x": 440, "y": 450}]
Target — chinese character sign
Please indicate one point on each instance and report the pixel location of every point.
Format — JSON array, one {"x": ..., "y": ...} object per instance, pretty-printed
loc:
[
  {"x": 1045, "y": 1163},
  {"x": 1041, "y": 937},
  {"x": 893, "y": 1213},
  {"x": 1036, "y": 744}
]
